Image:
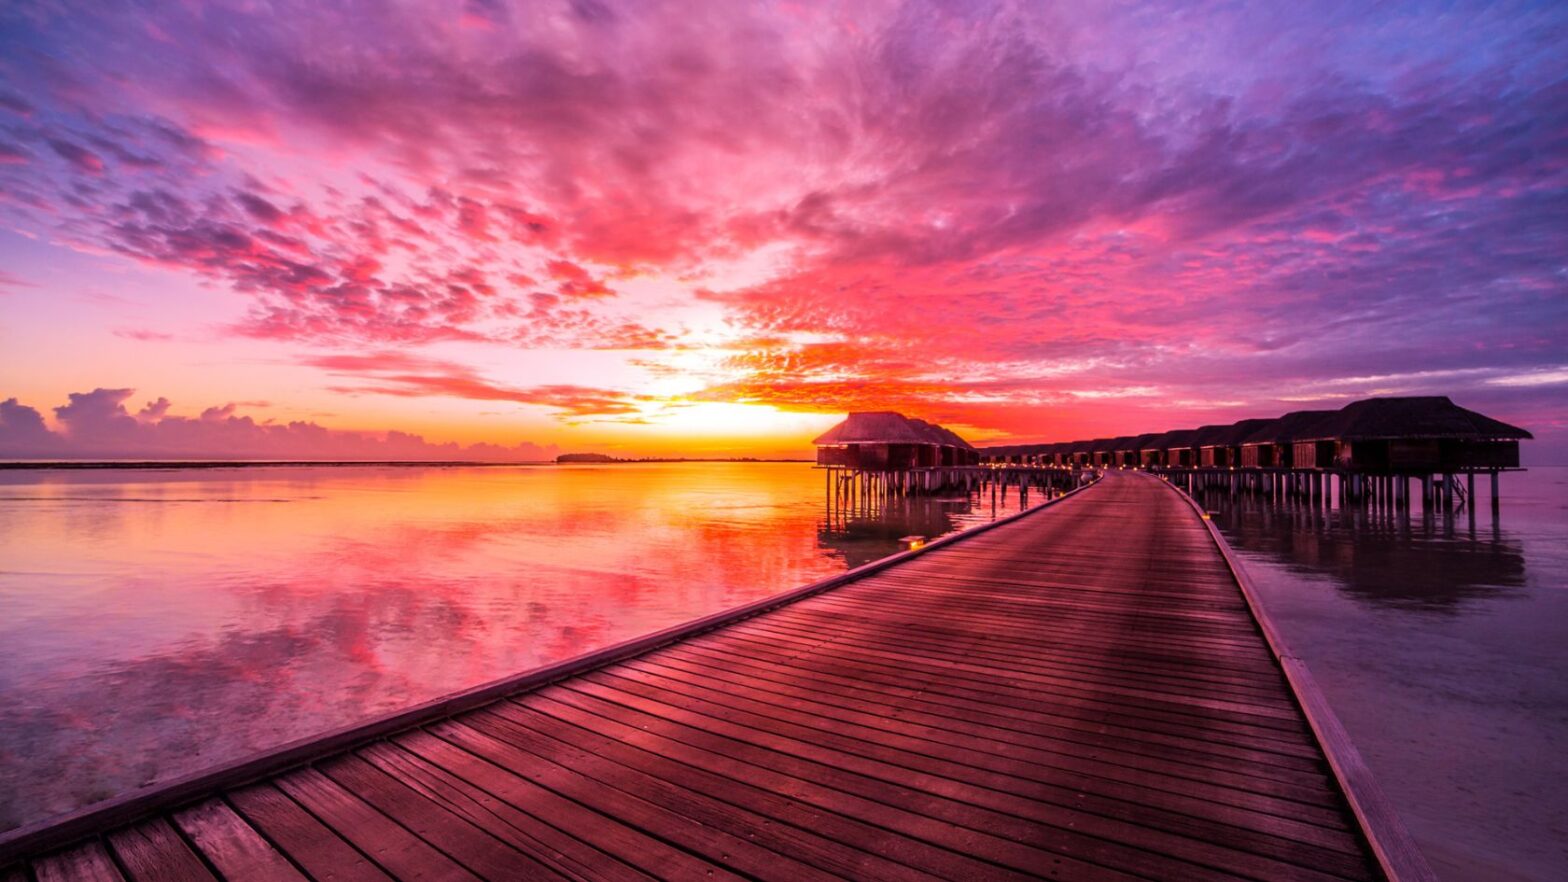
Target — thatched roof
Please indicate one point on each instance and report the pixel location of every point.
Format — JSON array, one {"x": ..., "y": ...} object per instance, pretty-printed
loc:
[
  {"x": 1231, "y": 435},
  {"x": 887, "y": 427},
  {"x": 1139, "y": 442},
  {"x": 942, "y": 435},
  {"x": 1288, "y": 428},
  {"x": 1432, "y": 416},
  {"x": 1372, "y": 418},
  {"x": 1211, "y": 435}
]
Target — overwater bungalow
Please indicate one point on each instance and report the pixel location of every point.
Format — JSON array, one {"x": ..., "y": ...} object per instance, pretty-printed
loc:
[
  {"x": 1180, "y": 451},
  {"x": 1151, "y": 452},
  {"x": 1100, "y": 450},
  {"x": 1370, "y": 449},
  {"x": 1129, "y": 455},
  {"x": 1409, "y": 435},
  {"x": 946, "y": 448},
  {"x": 884, "y": 441},
  {"x": 1058, "y": 454},
  {"x": 1219, "y": 447},
  {"x": 1272, "y": 445}
]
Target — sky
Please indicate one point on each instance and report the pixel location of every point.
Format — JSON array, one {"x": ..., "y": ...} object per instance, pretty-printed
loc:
[{"x": 287, "y": 229}]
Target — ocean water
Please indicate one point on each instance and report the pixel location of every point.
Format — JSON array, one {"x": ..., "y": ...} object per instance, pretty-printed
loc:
[
  {"x": 1442, "y": 644},
  {"x": 154, "y": 622}
]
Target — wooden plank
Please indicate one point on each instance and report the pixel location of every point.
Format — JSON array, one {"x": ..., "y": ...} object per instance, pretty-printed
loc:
[
  {"x": 1002, "y": 722},
  {"x": 88, "y": 862},
  {"x": 607, "y": 826},
  {"x": 488, "y": 856},
  {"x": 988, "y": 741},
  {"x": 314, "y": 846},
  {"x": 976, "y": 853},
  {"x": 1008, "y": 702},
  {"x": 1076, "y": 667},
  {"x": 227, "y": 842},
  {"x": 391, "y": 846},
  {"x": 709, "y": 849},
  {"x": 521, "y": 830},
  {"x": 1012, "y": 786},
  {"x": 153, "y": 851},
  {"x": 1173, "y": 776},
  {"x": 1014, "y": 841},
  {"x": 839, "y": 844}
]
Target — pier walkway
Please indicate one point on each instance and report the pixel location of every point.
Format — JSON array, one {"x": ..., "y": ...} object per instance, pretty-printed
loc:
[{"x": 1082, "y": 692}]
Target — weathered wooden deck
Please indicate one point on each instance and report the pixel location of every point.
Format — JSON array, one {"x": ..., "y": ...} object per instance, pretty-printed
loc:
[{"x": 1080, "y": 693}]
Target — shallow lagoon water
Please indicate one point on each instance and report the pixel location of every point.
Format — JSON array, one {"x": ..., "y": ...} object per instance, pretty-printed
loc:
[
  {"x": 155, "y": 622},
  {"x": 1443, "y": 646}
]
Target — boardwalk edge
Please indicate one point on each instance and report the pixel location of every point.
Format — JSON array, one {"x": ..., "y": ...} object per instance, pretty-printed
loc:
[
  {"x": 1396, "y": 852},
  {"x": 57, "y": 832}
]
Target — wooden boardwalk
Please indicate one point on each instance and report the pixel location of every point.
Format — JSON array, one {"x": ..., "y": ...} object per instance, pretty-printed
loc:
[{"x": 1080, "y": 693}]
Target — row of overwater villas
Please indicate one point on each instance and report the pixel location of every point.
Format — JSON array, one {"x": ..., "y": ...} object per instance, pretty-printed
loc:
[
  {"x": 1414, "y": 435},
  {"x": 883, "y": 441}
]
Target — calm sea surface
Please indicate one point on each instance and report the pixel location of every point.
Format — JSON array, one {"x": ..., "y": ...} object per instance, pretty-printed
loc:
[
  {"x": 156, "y": 622},
  {"x": 1443, "y": 647}
]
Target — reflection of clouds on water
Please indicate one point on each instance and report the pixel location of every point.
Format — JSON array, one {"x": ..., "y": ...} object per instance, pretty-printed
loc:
[
  {"x": 132, "y": 721},
  {"x": 143, "y": 641},
  {"x": 1382, "y": 559},
  {"x": 858, "y": 535}
]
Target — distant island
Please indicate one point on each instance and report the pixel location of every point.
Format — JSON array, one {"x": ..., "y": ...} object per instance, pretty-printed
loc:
[{"x": 569, "y": 458}]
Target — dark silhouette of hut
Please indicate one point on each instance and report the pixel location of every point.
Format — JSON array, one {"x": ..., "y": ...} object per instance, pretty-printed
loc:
[
  {"x": 1129, "y": 453},
  {"x": 1057, "y": 454},
  {"x": 1151, "y": 451},
  {"x": 1180, "y": 449},
  {"x": 947, "y": 448},
  {"x": 1219, "y": 447},
  {"x": 1272, "y": 445},
  {"x": 1415, "y": 434},
  {"x": 884, "y": 441},
  {"x": 1100, "y": 451}
]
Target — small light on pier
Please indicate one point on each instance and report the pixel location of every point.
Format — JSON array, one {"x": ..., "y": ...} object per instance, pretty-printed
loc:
[{"x": 913, "y": 543}]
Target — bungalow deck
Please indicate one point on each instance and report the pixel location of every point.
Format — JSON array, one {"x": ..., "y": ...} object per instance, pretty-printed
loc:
[{"x": 1081, "y": 691}]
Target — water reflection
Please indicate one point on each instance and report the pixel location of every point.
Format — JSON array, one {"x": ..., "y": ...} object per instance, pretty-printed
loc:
[
  {"x": 1439, "y": 643},
  {"x": 1379, "y": 557},
  {"x": 153, "y": 623},
  {"x": 860, "y": 530}
]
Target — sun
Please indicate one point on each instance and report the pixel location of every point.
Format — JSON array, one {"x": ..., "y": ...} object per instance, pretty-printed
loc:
[{"x": 715, "y": 420}]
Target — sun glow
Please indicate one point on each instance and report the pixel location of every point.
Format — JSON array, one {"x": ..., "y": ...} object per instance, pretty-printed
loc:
[{"x": 713, "y": 421}]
